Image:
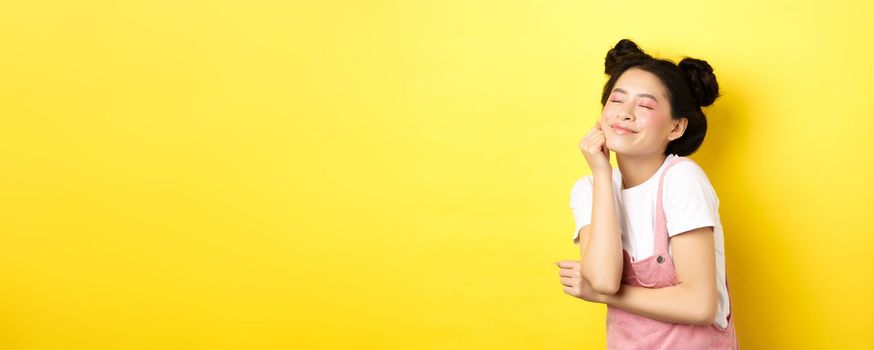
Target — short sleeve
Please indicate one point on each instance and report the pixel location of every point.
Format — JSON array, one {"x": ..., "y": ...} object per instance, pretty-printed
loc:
[
  {"x": 581, "y": 205},
  {"x": 689, "y": 199}
]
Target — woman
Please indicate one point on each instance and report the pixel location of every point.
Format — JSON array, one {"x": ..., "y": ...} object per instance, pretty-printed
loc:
[{"x": 651, "y": 242}]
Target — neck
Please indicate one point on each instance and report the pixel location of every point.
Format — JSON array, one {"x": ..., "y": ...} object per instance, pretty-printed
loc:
[{"x": 637, "y": 169}]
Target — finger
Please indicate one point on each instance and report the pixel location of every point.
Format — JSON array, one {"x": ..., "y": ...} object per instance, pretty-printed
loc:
[
  {"x": 596, "y": 138},
  {"x": 569, "y": 268},
  {"x": 598, "y": 133},
  {"x": 574, "y": 273},
  {"x": 597, "y": 143},
  {"x": 594, "y": 129},
  {"x": 590, "y": 139},
  {"x": 570, "y": 291},
  {"x": 592, "y": 135},
  {"x": 567, "y": 264},
  {"x": 569, "y": 282}
]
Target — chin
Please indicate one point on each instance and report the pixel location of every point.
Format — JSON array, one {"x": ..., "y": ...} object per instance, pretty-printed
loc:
[
  {"x": 619, "y": 149},
  {"x": 623, "y": 150}
]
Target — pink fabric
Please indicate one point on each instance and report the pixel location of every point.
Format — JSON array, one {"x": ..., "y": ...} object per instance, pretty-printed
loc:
[{"x": 627, "y": 331}]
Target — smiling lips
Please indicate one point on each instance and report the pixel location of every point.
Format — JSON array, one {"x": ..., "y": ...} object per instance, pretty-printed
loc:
[{"x": 621, "y": 130}]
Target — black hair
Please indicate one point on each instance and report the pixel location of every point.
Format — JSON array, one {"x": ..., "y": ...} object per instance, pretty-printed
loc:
[{"x": 690, "y": 84}]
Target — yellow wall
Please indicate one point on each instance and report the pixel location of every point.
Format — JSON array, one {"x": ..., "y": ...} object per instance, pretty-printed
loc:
[{"x": 395, "y": 175}]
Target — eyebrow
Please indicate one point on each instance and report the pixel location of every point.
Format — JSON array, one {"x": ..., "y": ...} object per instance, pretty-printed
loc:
[{"x": 642, "y": 95}]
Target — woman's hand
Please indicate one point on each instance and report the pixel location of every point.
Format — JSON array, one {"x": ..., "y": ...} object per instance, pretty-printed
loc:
[
  {"x": 594, "y": 148},
  {"x": 574, "y": 283}
]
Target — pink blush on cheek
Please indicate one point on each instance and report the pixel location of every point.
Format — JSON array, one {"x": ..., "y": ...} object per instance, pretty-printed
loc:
[{"x": 658, "y": 120}]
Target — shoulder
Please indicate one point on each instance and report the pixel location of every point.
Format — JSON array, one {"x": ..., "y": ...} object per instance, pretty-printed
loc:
[
  {"x": 689, "y": 199},
  {"x": 586, "y": 183},
  {"x": 687, "y": 178},
  {"x": 582, "y": 185},
  {"x": 581, "y": 192},
  {"x": 685, "y": 171}
]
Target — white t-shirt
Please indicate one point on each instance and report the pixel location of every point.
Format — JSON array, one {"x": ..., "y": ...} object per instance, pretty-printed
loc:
[{"x": 689, "y": 201}]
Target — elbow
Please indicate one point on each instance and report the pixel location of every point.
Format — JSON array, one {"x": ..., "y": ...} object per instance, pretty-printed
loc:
[
  {"x": 704, "y": 314},
  {"x": 701, "y": 305},
  {"x": 602, "y": 283},
  {"x": 605, "y": 286}
]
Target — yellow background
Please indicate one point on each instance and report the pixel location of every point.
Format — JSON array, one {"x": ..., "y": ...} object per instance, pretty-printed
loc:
[{"x": 396, "y": 175}]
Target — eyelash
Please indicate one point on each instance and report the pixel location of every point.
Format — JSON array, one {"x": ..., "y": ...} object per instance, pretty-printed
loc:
[{"x": 641, "y": 106}]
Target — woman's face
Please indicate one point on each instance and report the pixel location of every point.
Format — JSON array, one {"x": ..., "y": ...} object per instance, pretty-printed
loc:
[{"x": 636, "y": 119}]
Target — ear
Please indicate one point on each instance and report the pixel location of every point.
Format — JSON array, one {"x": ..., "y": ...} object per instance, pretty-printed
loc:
[{"x": 679, "y": 128}]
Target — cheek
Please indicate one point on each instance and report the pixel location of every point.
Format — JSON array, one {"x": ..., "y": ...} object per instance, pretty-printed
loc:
[
  {"x": 654, "y": 121},
  {"x": 607, "y": 111}
]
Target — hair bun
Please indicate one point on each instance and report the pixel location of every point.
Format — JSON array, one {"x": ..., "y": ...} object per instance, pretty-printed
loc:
[
  {"x": 621, "y": 52},
  {"x": 702, "y": 81}
]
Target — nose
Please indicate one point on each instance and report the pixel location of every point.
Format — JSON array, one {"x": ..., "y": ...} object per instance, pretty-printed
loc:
[{"x": 626, "y": 112}]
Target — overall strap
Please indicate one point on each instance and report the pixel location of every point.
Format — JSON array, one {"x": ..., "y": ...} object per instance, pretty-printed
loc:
[{"x": 660, "y": 230}]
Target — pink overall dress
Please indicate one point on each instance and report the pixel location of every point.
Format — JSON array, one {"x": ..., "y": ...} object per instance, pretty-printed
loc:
[{"x": 626, "y": 330}]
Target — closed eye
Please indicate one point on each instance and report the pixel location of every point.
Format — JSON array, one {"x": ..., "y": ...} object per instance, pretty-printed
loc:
[{"x": 646, "y": 107}]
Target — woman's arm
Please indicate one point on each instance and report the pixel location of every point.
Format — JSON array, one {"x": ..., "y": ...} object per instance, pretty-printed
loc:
[
  {"x": 601, "y": 242},
  {"x": 693, "y": 300}
]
